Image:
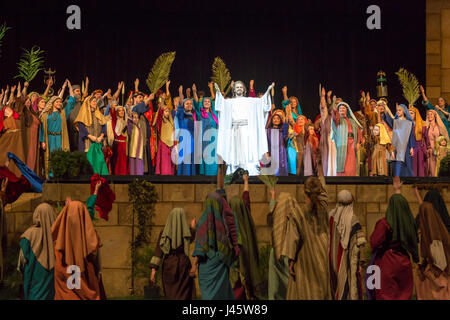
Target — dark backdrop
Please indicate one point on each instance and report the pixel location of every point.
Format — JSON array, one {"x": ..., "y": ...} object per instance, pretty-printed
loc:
[{"x": 296, "y": 44}]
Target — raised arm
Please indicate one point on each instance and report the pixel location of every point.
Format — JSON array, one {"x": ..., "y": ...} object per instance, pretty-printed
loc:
[
  {"x": 25, "y": 88},
  {"x": 418, "y": 196},
  {"x": 86, "y": 88},
  {"x": 61, "y": 93},
  {"x": 136, "y": 85},
  {"x": 194, "y": 92},
  {"x": 422, "y": 91},
  {"x": 251, "y": 91},
  {"x": 117, "y": 93},
  {"x": 211, "y": 90},
  {"x": 180, "y": 94},
  {"x": 49, "y": 85}
]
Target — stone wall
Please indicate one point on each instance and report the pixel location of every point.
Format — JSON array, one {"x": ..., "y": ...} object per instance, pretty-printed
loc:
[
  {"x": 370, "y": 206},
  {"x": 438, "y": 49}
]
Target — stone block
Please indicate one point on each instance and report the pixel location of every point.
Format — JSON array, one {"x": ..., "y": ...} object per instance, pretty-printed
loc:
[
  {"x": 178, "y": 192},
  {"x": 407, "y": 192},
  {"x": 232, "y": 190},
  {"x": 433, "y": 93},
  {"x": 446, "y": 194},
  {"x": 78, "y": 192},
  {"x": 331, "y": 190},
  {"x": 12, "y": 239},
  {"x": 445, "y": 61},
  {"x": 371, "y": 193},
  {"x": 20, "y": 205},
  {"x": 433, "y": 6},
  {"x": 372, "y": 219},
  {"x": 23, "y": 220},
  {"x": 414, "y": 208},
  {"x": 115, "y": 252},
  {"x": 433, "y": 47},
  {"x": 258, "y": 192},
  {"x": 154, "y": 235},
  {"x": 117, "y": 282},
  {"x": 433, "y": 59},
  {"x": 433, "y": 26},
  {"x": 121, "y": 191},
  {"x": 433, "y": 75},
  {"x": 10, "y": 222},
  {"x": 373, "y": 207},
  {"x": 446, "y": 78},
  {"x": 113, "y": 217},
  {"x": 162, "y": 211},
  {"x": 259, "y": 213},
  {"x": 51, "y": 191},
  {"x": 263, "y": 234},
  {"x": 359, "y": 209},
  {"x": 202, "y": 190},
  {"x": 445, "y": 23},
  {"x": 125, "y": 214},
  {"x": 159, "y": 191}
]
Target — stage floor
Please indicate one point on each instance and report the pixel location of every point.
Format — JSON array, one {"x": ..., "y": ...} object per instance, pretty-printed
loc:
[{"x": 159, "y": 179}]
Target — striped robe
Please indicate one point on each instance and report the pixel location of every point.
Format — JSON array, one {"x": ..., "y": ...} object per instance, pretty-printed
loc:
[{"x": 307, "y": 243}]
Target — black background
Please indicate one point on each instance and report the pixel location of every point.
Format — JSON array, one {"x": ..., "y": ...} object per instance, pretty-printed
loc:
[{"x": 296, "y": 43}]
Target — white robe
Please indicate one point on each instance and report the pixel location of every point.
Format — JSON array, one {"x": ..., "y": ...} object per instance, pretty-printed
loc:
[{"x": 242, "y": 146}]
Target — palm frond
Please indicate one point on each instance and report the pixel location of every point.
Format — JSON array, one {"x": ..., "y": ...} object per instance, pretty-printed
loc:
[
  {"x": 410, "y": 85},
  {"x": 269, "y": 180},
  {"x": 3, "y": 29},
  {"x": 159, "y": 74},
  {"x": 220, "y": 74},
  {"x": 30, "y": 64}
]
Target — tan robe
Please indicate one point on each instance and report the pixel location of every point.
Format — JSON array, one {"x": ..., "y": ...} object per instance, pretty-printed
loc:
[{"x": 307, "y": 243}]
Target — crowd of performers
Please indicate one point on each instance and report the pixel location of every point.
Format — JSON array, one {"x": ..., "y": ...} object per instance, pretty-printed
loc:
[
  {"x": 146, "y": 134},
  {"x": 315, "y": 253}
]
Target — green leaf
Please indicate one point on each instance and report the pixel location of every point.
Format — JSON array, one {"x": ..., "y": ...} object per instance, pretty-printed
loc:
[
  {"x": 30, "y": 64},
  {"x": 220, "y": 74},
  {"x": 159, "y": 74}
]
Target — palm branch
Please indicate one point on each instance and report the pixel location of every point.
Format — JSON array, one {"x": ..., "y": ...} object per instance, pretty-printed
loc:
[
  {"x": 410, "y": 85},
  {"x": 220, "y": 74},
  {"x": 3, "y": 29},
  {"x": 159, "y": 74},
  {"x": 30, "y": 64}
]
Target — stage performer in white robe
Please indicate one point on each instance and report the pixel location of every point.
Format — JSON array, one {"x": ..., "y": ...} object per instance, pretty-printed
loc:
[{"x": 242, "y": 140}]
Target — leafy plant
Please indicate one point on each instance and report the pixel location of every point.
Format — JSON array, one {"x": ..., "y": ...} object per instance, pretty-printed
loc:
[
  {"x": 3, "y": 29},
  {"x": 11, "y": 287},
  {"x": 30, "y": 64},
  {"x": 220, "y": 74},
  {"x": 410, "y": 85},
  {"x": 159, "y": 74},
  {"x": 264, "y": 257},
  {"x": 444, "y": 169},
  {"x": 69, "y": 164},
  {"x": 143, "y": 196}
]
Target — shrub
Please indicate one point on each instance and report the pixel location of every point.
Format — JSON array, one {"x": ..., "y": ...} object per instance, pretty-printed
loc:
[{"x": 65, "y": 164}]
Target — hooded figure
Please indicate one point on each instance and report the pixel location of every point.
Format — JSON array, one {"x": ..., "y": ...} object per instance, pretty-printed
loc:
[
  {"x": 77, "y": 244},
  {"x": 37, "y": 256},
  {"x": 432, "y": 276},
  {"x": 346, "y": 239},
  {"x": 393, "y": 240},
  {"x": 172, "y": 255}
]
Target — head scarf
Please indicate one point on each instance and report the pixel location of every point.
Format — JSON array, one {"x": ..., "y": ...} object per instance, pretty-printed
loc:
[
  {"x": 105, "y": 196},
  {"x": 216, "y": 234},
  {"x": 401, "y": 221},
  {"x": 386, "y": 108},
  {"x": 442, "y": 129},
  {"x": 85, "y": 114},
  {"x": 121, "y": 123},
  {"x": 74, "y": 235},
  {"x": 433, "y": 231},
  {"x": 342, "y": 215},
  {"x": 419, "y": 123},
  {"x": 280, "y": 114},
  {"x": 176, "y": 233},
  {"x": 349, "y": 112},
  {"x": 204, "y": 113},
  {"x": 384, "y": 136},
  {"x": 405, "y": 111},
  {"x": 435, "y": 198},
  {"x": 40, "y": 235},
  {"x": 297, "y": 128},
  {"x": 299, "y": 108},
  {"x": 165, "y": 127},
  {"x": 49, "y": 106},
  {"x": 35, "y": 104}
]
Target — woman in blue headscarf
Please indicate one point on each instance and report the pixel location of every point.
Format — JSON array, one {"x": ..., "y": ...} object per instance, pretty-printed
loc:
[
  {"x": 206, "y": 114},
  {"x": 403, "y": 140},
  {"x": 185, "y": 120}
]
